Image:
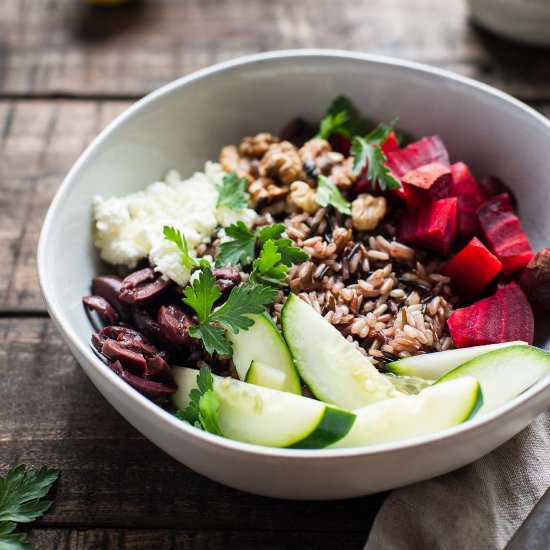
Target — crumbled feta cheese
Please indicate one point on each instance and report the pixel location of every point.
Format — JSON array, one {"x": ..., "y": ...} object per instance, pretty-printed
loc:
[{"x": 130, "y": 228}]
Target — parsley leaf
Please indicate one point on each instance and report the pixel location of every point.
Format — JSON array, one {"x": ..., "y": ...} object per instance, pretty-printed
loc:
[
  {"x": 202, "y": 294},
  {"x": 367, "y": 152},
  {"x": 203, "y": 409},
  {"x": 342, "y": 118},
  {"x": 175, "y": 235},
  {"x": 270, "y": 232},
  {"x": 22, "y": 493},
  {"x": 267, "y": 268},
  {"x": 329, "y": 195},
  {"x": 244, "y": 300},
  {"x": 290, "y": 254},
  {"x": 247, "y": 299},
  {"x": 240, "y": 250},
  {"x": 231, "y": 193}
]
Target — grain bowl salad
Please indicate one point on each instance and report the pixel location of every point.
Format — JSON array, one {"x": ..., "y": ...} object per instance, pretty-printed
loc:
[{"x": 330, "y": 286}]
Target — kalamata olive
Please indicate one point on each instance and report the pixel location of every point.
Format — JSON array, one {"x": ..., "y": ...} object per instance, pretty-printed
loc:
[
  {"x": 108, "y": 287},
  {"x": 158, "y": 368},
  {"x": 118, "y": 332},
  {"x": 227, "y": 278},
  {"x": 130, "y": 359},
  {"x": 142, "y": 286},
  {"x": 147, "y": 387},
  {"x": 174, "y": 325},
  {"x": 103, "y": 307},
  {"x": 146, "y": 324}
]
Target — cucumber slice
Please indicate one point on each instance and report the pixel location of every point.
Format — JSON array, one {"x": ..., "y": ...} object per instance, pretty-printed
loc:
[
  {"x": 263, "y": 342},
  {"x": 335, "y": 371},
  {"x": 433, "y": 409},
  {"x": 432, "y": 366},
  {"x": 268, "y": 417},
  {"x": 408, "y": 385},
  {"x": 505, "y": 373},
  {"x": 263, "y": 375}
]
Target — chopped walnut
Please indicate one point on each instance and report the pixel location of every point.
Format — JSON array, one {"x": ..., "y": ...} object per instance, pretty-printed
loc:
[
  {"x": 232, "y": 161},
  {"x": 342, "y": 174},
  {"x": 257, "y": 145},
  {"x": 367, "y": 211},
  {"x": 282, "y": 162},
  {"x": 264, "y": 191},
  {"x": 313, "y": 149},
  {"x": 303, "y": 196}
]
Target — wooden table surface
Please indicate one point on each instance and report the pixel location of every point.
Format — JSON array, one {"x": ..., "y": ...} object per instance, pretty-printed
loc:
[{"x": 65, "y": 71}]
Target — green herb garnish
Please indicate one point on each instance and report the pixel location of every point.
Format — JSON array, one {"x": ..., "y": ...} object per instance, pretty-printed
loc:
[
  {"x": 367, "y": 151},
  {"x": 268, "y": 268},
  {"x": 175, "y": 235},
  {"x": 203, "y": 409},
  {"x": 342, "y": 118},
  {"x": 22, "y": 493},
  {"x": 232, "y": 192},
  {"x": 244, "y": 300},
  {"x": 329, "y": 195}
]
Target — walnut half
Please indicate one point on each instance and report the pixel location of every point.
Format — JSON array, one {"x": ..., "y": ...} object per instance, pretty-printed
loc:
[
  {"x": 367, "y": 211},
  {"x": 303, "y": 196}
]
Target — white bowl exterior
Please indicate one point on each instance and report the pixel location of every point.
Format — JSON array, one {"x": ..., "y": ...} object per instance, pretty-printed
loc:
[{"x": 185, "y": 123}]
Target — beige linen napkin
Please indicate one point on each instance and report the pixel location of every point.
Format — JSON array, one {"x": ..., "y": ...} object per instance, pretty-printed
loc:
[{"x": 479, "y": 506}]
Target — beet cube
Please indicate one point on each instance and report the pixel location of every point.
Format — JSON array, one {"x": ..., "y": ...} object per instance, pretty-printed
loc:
[
  {"x": 432, "y": 226},
  {"x": 430, "y": 182},
  {"x": 391, "y": 144},
  {"x": 472, "y": 269},
  {"x": 341, "y": 144},
  {"x": 503, "y": 317},
  {"x": 504, "y": 234},
  {"x": 465, "y": 188},
  {"x": 535, "y": 280}
]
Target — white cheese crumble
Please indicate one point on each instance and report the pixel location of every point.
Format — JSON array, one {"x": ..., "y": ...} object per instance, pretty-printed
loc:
[{"x": 130, "y": 228}]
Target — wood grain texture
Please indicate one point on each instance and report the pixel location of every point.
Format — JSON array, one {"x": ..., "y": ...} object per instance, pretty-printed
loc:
[
  {"x": 113, "y": 477},
  {"x": 66, "y": 47},
  {"x": 140, "y": 539}
]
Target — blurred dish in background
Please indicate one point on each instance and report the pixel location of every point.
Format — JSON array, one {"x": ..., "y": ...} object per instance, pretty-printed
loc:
[{"x": 526, "y": 21}]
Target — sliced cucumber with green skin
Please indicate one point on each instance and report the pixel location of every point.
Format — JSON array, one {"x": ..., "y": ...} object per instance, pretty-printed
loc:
[
  {"x": 408, "y": 385},
  {"x": 335, "y": 371},
  {"x": 268, "y": 417},
  {"x": 432, "y": 366},
  {"x": 435, "y": 408},
  {"x": 263, "y": 342},
  {"x": 503, "y": 374},
  {"x": 263, "y": 375}
]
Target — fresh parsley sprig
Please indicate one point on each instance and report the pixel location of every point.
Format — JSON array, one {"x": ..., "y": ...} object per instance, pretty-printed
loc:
[
  {"x": 342, "y": 118},
  {"x": 367, "y": 151},
  {"x": 22, "y": 493},
  {"x": 329, "y": 195},
  {"x": 175, "y": 235},
  {"x": 242, "y": 246},
  {"x": 203, "y": 409},
  {"x": 268, "y": 268},
  {"x": 232, "y": 192},
  {"x": 244, "y": 300}
]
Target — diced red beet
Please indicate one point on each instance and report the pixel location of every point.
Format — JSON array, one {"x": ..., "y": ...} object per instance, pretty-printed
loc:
[
  {"x": 465, "y": 188},
  {"x": 504, "y": 234},
  {"x": 433, "y": 226},
  {"x": 472, "y": 269},
  {"x": 430, "y": 182},
  {"x": 340, "y": 144},
  {"x": 391, "y": 144},
  {"x": 491, "y": 186},
  {"x": 535, "y": 280},
  {"x": 417, "y": 154},
  {"x": 503, "y": 317}
]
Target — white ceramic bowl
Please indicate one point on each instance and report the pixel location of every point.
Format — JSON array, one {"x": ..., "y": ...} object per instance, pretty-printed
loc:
[{"x": 185, "y": 123}]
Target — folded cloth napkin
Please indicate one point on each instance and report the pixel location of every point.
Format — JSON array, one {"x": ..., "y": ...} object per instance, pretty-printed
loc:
[{"x": 479, "y": 506}]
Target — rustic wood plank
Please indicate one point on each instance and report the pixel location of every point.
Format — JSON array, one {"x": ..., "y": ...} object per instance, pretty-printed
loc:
[
  {"x": 110, "y": 475},
  {"x": 66, "y": 47},
  {"x": 98, "y": 539},
  {"x": 39, "y": 141}
]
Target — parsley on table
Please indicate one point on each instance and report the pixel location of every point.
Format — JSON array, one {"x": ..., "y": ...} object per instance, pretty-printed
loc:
[
  {"x": 367, "y": 151},
  {"x": 342, "y": 118},
  {"x": 329, "y": 195},
  {"x": 244, "y": 300},
  {"x": 203, "y": 409},
  {"x": 267, "y": 267},
  {"x": 241, "y": 248},
  {"x": 22, "y": 493},
  {"x": 232, "y": 192},
  {"x": 175, "y": 235}
]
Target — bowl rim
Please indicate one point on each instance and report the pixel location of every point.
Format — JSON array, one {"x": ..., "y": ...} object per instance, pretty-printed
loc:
[{"x": 133, "y": 397}]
